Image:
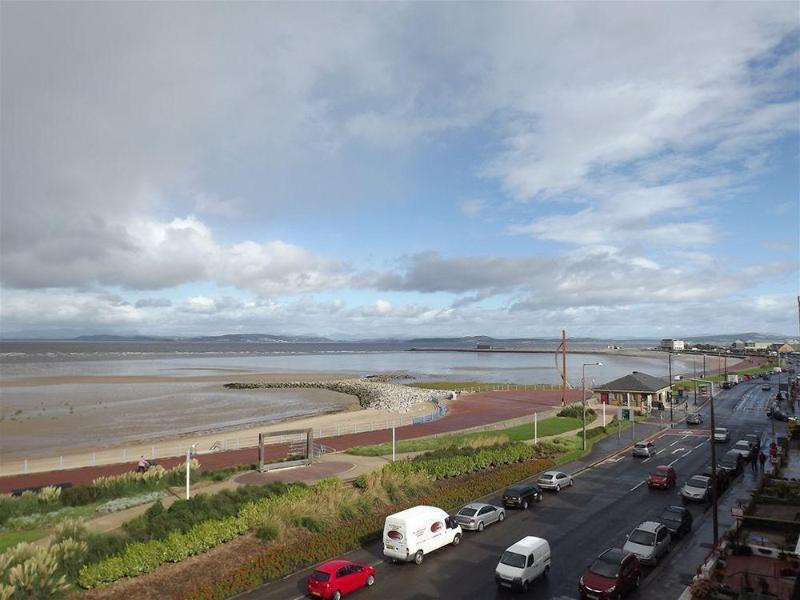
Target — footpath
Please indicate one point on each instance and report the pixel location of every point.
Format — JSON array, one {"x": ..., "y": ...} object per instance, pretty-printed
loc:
[{"x": 471, "y": 412}]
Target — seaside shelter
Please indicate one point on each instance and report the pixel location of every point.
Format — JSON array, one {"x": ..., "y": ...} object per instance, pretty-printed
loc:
[{"x": 638, "y": 390}]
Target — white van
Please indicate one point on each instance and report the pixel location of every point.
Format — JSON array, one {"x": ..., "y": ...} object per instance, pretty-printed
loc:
[
  {"x": 413, "y": 533},
  {"x": 522, "y": 563}
]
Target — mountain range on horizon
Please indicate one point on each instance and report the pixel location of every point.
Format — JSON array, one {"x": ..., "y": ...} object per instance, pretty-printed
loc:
[{"x": 481, "y": 339}]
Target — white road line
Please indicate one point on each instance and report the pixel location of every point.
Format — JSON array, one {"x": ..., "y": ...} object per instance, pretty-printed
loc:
[
  {"x": 673, "y": 443},
  {"x": 678, "y": 450},
  {"x": 646, "y": 459},
  {"x": 660, "y": 451},
  {"x": 638, "y": 485}
]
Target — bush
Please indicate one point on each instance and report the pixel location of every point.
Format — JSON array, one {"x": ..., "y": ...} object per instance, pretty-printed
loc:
[
  {"x": 78, "y": 496},
  {"x": 576, "y": 411},
  {"x": 267, "y": 532}
]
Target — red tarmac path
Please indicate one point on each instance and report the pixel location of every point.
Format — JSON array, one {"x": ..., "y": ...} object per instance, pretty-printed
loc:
[{"x": 471, "y": 410}]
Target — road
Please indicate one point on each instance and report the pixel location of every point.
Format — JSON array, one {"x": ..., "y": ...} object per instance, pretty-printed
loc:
[{"x": 605, "y": 504}]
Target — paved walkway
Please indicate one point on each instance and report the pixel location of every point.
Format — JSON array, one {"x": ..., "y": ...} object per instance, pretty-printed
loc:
[{"x": 471, "y": 410}]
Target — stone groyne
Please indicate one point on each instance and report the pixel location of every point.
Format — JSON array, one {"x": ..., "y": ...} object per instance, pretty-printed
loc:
[{"x": 370, "y": 393}]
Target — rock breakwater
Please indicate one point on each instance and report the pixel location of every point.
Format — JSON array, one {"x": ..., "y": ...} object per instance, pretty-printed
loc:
[{"x": 370, "y": 393}]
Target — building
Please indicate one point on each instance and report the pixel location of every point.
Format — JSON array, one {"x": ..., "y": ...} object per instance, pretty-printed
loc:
[
  {"x": 751, "y": 346},
  {"x": 672, "y": 345},
  {"x": 638, "y": 389}
]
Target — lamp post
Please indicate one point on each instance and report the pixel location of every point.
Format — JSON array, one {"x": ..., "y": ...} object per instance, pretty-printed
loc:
[
  {"x": 190, "y": 452},
  {"x": 670, "y": 388},
  {"x": 713, "y": 459},
  {"x": 583, "y": 395}
]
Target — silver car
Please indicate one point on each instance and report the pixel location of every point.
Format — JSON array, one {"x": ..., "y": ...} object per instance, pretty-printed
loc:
[
  {"x": 646, "y": 449},
  {"x": 721, "y": 435},
  {"x": 649, "y": 542},
  {"x": 697, "y": 489},
  {"x": 476, "y": 516},
  {"x": 745, "y": 448},
  {"x": 554, "y": 480}
]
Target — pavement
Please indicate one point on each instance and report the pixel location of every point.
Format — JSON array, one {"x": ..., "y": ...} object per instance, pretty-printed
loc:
[{"x": 470, "y": 411}]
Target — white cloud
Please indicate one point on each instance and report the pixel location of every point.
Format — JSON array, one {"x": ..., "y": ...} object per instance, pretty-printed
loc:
[{"x": 472, "y": 207}]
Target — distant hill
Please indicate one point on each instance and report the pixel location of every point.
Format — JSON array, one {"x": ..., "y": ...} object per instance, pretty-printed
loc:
[{"x": 250, "y": 338}]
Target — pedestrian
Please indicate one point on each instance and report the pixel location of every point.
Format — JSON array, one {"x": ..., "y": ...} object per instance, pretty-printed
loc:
[
  {"x": 753, "y": 464},
  {"x": 762, "y": 458},
  {"x": 143, "y": 465}
]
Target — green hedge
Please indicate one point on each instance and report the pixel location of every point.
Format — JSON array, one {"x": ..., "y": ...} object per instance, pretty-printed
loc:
[{"x": 280, "y": 560}]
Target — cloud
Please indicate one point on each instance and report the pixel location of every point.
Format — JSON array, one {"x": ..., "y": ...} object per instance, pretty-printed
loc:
[
  {"x": 473, "y": 207},
  {"x": 153, "y": 303}
]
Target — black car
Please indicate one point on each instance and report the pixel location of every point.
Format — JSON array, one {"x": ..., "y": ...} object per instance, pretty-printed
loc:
[
  {"x": 723, "y": 479},
  {"x": 521, "y": 495},
  {"x": 731, "y": 462},
  {"x": 677, "y": 519},
  {"x": 777, "y": 414}
]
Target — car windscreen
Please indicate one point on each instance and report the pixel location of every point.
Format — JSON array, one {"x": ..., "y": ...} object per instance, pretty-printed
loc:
[
  {"x": 515, "y": 491},
  {"x": 742, "y": 446},
  {"x": 512, "y": 559},
  {"x": 645, "y": 538},
  {"x": 320, "y": 576},
  {"x": 605, "y": 568},
  {"x": 669, "y": 517},
  {"x": 468, "y": 512},
  {"x": 697, "y": 482}
]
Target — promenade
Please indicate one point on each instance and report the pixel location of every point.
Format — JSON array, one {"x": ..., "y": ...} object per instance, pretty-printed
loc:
[{"x": 470, "y": 411}]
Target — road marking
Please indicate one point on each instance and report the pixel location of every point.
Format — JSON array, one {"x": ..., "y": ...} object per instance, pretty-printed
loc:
[
  {"x": 646, "y": 459},
  {"x": 678, "y": 450},
  {"x": 638, "y": 485},
  {"x": 673, "y": 443},
  {"x": 660, "y": 451}
]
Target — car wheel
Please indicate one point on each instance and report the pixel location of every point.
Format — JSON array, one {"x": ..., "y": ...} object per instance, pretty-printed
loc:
[
  {"x": 502, "y": 517},
  {"x": 337, "y": 595},
  {"x": 546, "y": 571},
  {"x": 371, "y": 580},
  {"x": 480, "y": 526},
  {"x": 524, "y": 505},
  {"x": 419, "y": 557},
  {"x": 457, "y": 539},
  {"x": 558, "y": 487}
]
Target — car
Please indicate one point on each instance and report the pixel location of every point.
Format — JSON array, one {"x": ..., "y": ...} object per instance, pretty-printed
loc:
[
  {"x": 721, "y": 435},
  {"x": 413, "y": 533},
  {"x": 521, "y": 495},
  {"x": 743, "y": 447},
  {"x": 777, "y": 414},
  {"x": 726, "y": 385},
  {"x": 336, "y": 578},
  {"x": 612, "y": 574},
  {"x": 677, "y": 519},
  {"x": 694, "y": 418},
  {"x": 766, "y": 387},
  {"x": 662, "y": 477},
  {"x": 697, "y": 489},
  {"x": 731, "y": 461},
  {"x": 477, "y": 515},
  {"x": 554, "y": 480},
  {"x": 649, "y": 542},
  {"x": 522, "y": 563},
  {"x": 645, "y": 449},
  {"x": 723, "y": 478}
]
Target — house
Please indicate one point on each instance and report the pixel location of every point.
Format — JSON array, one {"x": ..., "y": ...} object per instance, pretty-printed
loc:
[
  {"x": 672, "y": 345},
  {"x": 637, "y": 389}
]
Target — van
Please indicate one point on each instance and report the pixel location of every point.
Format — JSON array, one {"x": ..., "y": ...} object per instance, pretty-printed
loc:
[
  {"x": 523, "y": 563},
  {"x": 413, "y": 533}
]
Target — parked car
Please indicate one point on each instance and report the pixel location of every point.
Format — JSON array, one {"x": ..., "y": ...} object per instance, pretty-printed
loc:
[
  {"x": 649, "y": 542},
  {"x": 662, "y": 477},
  {"x": 554, "y": 480},
  {"x": 522, "y": 563},
  {"x": 723, "y": 479},
  {"x": 694, "y": 418},
  {"x": 731, "y": 461},
  {"x": 414, "y": 532},
  {"x": 744, "y": 448},
  {"x": 476, "y": 516},
  {"x": 766, "y": 387},
  {"x": 645, "y": 449},
  {"x": 521, "y": 495},
  {"x": 612, "y": 574},
  {"x": 337, "y": 578},
  {"x": 777, "y": 414},
  {"x": 677, "y": 519},
  {"x": 697, "y": 489},
  {"x": 721, "y": 435}
]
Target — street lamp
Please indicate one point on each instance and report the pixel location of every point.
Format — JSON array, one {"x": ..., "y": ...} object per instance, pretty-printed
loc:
[
  {"x": 670, "y": 388},
  {"x": 190, "y": 452},
  {"x": 713, "y": 458},
  {"x": 583, "y": 394}
]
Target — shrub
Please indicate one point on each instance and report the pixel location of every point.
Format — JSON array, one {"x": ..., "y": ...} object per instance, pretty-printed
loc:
[
  {"x": 576, "y": 411},
  {"x": 49, "y": 495},
  {"x": 267, "y": 532},
  {"x": 124, "y": 503},
  {"x": 69, "y": 529},
  {"x": 78, "y": 496}
]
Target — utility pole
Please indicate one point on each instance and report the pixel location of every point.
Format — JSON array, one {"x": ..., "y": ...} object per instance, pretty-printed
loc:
[
  {"x": 670, "y": 389},
  {"x": 714, "y": 499},
  {"x": 563, "y": 348},
  {"x": 583, "y": 395},
  {"x": 704, "y": 365}
]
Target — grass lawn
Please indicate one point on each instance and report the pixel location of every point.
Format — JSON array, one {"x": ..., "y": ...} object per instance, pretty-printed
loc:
[
  {"x": 472, "y": 386},
  {"x": 10, "y": 539},
  {"x": 551, "y": 426}
]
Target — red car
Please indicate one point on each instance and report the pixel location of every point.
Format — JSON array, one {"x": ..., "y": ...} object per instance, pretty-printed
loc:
[
  {"x": 611, "y": 575},
  {"x": 663, "y": 478},
  {"x": 337, "y": 578}
]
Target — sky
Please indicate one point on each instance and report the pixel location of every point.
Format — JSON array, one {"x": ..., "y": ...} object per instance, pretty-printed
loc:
[{"x": 363, "y": 170}]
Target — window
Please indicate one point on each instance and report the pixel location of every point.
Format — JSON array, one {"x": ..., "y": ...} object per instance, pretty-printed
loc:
[
  {"x": 530, "y": 560},
  {"x": 486, "y": 510},
  {"x": 342, "y": 572}
]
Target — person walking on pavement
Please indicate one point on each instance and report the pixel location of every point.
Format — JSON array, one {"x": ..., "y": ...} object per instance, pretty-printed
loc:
[
  {"x": 762, "y": 458},
  {"x": 143, "y": 465}
]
